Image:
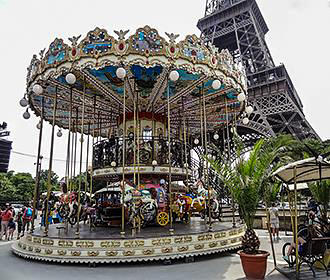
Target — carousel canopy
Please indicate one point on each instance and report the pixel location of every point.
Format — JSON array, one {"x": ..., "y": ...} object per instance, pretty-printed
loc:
[{"x": 148, "y": 60}]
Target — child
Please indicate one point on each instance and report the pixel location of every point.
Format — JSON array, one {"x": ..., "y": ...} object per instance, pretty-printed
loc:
[
  {"x": 19, "y": 221},
  {"x": 11, "y": 229}
]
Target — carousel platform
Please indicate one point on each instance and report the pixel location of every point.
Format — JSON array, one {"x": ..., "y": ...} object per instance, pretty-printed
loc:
[{"x": 105, "y": 245}]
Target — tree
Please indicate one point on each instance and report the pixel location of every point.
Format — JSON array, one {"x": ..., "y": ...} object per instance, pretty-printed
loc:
[
  {"x": 246, "y": 176},
  {"x": 54, "y": 180},
  {"x": 321, "y": 193},
  {"x": 16, "y": 187}
]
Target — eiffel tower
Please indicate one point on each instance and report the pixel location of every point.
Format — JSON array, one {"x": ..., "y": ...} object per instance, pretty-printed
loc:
[{"x": 239, "y": 26}]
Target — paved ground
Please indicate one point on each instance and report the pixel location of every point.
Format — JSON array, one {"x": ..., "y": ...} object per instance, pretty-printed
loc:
[{"x": 224, "y": 266}]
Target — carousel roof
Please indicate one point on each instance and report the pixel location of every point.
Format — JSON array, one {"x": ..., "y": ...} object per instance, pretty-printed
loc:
[{"x": 148, "y": 59}]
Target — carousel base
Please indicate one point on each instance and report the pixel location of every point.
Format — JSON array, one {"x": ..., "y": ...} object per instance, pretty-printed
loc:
[{"x": 105, "y": 245}]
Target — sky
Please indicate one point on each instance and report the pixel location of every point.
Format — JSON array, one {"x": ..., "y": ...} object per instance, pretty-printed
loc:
[{"x": 298, "y": 37}]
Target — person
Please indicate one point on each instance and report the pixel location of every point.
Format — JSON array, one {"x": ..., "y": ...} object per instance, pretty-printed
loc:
[
  {"x": 274, "y": 221},
  {"x": 312, "y": 233},
  {"x": 5, "y": 217},
  {"x": 19, "y": 221},
  {"x": 27, "y": 218},
  {"x": 11, "y": 229}
]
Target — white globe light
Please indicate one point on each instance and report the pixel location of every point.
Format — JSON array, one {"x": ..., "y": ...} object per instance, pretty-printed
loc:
[
  {"x": 70, "y": 78},
  {"x": 59, "y": 133},
  {"x": 174, "y": 76},
  {"x": 216, "y": 84},
  {"x": 246, "y": 120},
  {"x": 113, "y": 164},
  {"x": 196, "y": 141},
  {"x": 121, "y": 73},
  {"x": 37, "y": 89},
  {"x": 216, "y": 136},
  {"x": 26, "y": 115},
  {"x": 39, "y": 125},
  {"x": 162, "y": 181},
  {"x": 249, "y": 110},
  {"x": 23, "y": 102},
  {"x": 154, "y": 162},
  {"x": 241, "y": 97}
]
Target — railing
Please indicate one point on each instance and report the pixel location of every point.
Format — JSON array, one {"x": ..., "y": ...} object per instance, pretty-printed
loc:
[{"x": 109, "y": 152}]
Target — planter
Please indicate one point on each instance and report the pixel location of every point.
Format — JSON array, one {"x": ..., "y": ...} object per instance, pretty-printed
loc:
[{"x": 254, "y": 266}]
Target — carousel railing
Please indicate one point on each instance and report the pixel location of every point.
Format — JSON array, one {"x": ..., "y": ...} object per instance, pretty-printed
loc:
[{"x": 146, "y": 151}]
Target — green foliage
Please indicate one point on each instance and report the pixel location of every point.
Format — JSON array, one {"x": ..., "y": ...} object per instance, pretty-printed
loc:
[
  {"x": 271, "y": 190},
  {"x": 321, "y": 193},
  {"x": 16, "y": 187},
  {"x": 20, "y": 186},
  {"x": 248, "y": 177},
  {"x": 54, "y": 180}
]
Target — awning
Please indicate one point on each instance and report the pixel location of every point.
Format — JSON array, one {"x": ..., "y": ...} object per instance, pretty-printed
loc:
[{"x": 308, "y": 170}]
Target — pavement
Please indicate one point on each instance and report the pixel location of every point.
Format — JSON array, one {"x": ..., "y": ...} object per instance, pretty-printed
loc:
[{"x": 220, "y": 266}]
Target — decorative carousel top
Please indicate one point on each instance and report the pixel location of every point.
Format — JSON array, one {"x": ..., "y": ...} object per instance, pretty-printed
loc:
[{"x": 148, "y": 60}]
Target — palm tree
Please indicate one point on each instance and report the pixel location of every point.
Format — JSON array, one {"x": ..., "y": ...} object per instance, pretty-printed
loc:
[{"x": 246, "y": 177}]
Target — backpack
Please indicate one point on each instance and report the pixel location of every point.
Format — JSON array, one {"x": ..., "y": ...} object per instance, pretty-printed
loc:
[{"x": 29, "y": 212}]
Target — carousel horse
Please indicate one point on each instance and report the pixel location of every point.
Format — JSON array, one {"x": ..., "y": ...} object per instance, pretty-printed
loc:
[
  {"x": 182, "y": 207},
  {"x": 199, "y": 203}
]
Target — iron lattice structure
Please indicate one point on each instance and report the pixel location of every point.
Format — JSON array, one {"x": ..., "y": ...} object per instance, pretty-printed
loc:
[{"x": 238, "y": 25}]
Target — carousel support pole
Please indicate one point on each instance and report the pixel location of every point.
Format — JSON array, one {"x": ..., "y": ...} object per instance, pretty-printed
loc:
[
  {"x": 80, "y": 161},
  {"x": 185, "y": 142},
  {"x": 134, "y": 159},
  {"x": 72, "y": 155},
  {"x": 138, "y": 139},
  {"x": 87, "y": 158},
  {"x": 202, "y": 140},
  {"x": 37, "y": 185},
  {"x": 228, "y": 142},
  {"x": 296, "y": 219},
  {"x": 169, "y": 157},
  {"x": 122, "y": 233},
  {"x": 75, "y": 144},
  {"x": 49, "y": 184},
  {"x": 93, "y": 142},
  {"x": 68, "y": 147},
  {"x": 207, "y": 163}
]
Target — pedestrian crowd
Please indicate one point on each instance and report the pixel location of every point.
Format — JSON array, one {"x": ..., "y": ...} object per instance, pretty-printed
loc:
[{"x": 11, "y": 221}]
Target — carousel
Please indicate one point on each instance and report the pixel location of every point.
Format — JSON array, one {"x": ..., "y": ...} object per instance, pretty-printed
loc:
[{"x": 145, "y": 112}]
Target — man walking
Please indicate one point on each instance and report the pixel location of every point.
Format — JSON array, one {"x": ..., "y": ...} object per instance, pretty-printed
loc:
[{"x": 274, "y": 221}]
